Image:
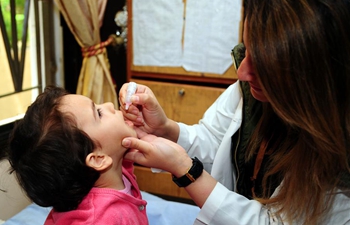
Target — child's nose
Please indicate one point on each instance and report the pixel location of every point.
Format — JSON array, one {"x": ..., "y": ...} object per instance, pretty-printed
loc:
[{"x": 109, "y": 106}]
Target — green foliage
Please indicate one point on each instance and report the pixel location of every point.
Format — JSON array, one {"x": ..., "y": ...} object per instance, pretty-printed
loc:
[{"x": 6, "y": 12}]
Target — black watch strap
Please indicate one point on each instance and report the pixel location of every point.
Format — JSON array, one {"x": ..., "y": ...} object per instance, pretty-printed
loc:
[{"x": 192, "y": 174}]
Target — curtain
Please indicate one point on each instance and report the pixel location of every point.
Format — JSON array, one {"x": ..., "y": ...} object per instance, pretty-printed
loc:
[
  {"x": 84, "y": 18},
  {"x": 101, "y": 10}
]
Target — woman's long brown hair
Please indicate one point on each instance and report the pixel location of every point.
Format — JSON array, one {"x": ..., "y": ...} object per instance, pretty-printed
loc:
[{"x": 301, "y": 54}]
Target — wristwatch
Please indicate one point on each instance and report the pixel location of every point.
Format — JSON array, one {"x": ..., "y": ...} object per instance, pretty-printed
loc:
[{"x": 192, "y": 174}]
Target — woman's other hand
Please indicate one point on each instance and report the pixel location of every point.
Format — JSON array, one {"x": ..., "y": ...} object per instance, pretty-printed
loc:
[{"x": 146, "y": 113}]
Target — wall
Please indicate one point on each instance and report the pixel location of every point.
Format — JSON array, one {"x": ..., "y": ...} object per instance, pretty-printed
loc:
[{"x": 13, "y": 200}]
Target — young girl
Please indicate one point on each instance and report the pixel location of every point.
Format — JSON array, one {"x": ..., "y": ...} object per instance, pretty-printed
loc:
[{"x": 66, "y": 153}]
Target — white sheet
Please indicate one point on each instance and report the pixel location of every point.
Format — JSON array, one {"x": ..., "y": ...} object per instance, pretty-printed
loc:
[{"x": 154, "y": 44}]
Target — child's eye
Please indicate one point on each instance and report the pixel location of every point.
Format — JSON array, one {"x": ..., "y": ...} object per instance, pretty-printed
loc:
[{"x": 99, "y": 112}]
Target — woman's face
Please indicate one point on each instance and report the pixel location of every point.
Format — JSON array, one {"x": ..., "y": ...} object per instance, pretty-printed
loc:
[
  {"x": 103, "y": 123},
  {"x": 246, "y": 71}
]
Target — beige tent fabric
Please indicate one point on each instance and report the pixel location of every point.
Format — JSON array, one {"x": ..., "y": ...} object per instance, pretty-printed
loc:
[{"x": 83, "y": 18}]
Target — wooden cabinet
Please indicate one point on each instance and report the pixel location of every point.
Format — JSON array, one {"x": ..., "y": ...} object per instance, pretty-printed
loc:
[{"x": 184, "y": 96}]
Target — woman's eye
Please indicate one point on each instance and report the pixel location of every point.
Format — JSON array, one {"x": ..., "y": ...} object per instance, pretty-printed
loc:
[{"x": 99, "y": 112}]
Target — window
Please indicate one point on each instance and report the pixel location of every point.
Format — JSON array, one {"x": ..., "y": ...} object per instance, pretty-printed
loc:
[
  {"x": 27, "y": 29},
  {"x": 19, "y": 81}
]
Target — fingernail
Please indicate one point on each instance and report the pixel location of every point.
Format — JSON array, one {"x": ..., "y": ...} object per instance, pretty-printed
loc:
[
  {"x": 126, "y": 143},
  {"x": 139, "y": 119},
  {"x": 135, "y": 99}
]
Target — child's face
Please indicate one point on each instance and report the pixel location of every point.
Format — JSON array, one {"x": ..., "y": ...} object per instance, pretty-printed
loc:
[{"x": 104, "y": 124}]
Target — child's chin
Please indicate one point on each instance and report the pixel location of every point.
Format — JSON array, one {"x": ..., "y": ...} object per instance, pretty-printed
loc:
[
  {"x": 129, "y": 123},
  {"x": 135, "y": 135}
]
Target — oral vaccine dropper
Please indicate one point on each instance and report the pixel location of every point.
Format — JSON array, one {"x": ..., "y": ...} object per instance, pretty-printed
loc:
[{"x": 131, "y": 90}]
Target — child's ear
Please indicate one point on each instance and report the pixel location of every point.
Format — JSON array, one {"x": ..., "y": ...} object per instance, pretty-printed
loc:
[{"x": 98, "y": 161}]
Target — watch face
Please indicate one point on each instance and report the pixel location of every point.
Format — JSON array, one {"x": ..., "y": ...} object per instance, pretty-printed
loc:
[{"x": 197, "y": 168}]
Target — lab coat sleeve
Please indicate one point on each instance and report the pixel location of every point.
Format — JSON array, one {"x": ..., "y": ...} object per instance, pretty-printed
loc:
[
  {"x": 203, "y": 139},
  {"x": 227, "y": 207}
]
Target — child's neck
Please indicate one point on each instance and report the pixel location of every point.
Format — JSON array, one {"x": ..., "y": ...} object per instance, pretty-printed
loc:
[{"x": 111, "y": 178}]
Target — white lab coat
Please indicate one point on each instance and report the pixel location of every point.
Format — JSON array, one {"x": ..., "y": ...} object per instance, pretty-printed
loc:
[{"x": 210, "y": 141}]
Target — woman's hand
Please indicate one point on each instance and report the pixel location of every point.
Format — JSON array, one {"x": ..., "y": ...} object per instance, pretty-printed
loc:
[
  {"x": 157, "y": 152},
  {"x": 146, "y": 113},
  {"x": 152, "y": 151}
]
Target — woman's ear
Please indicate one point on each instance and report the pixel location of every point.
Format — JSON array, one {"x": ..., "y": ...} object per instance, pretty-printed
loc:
[{"x": 99, "y": 161}]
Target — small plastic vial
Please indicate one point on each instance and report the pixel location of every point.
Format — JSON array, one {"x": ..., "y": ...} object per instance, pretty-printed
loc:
[{"x": 131, "y": 90}]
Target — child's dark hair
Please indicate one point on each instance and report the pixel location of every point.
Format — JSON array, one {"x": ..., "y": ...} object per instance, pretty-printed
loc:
[{"x": 47, "y": 153}]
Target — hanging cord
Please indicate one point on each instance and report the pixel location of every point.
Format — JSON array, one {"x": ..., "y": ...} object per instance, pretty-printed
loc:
[
  {"x": 99, "y": 48},
  {"x": 257, "y": 165}
]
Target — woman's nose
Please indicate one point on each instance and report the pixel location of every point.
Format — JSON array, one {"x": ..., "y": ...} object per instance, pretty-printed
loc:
[{"x": 245, "y": 71}]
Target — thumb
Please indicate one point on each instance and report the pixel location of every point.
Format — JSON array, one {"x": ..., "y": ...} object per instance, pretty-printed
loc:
[
  {"x": 137, "y": 144},
  {"x": 133, "y": 155},
  {"x": 129, "y": 142},
  {"x": 138, "y": 150}
]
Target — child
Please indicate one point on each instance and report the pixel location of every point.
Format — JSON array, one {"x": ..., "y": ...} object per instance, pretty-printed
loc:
[{"x": 67, "y": 153}]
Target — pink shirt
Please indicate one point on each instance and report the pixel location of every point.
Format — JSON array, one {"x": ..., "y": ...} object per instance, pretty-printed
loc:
[{"x": 104, "y": 206}]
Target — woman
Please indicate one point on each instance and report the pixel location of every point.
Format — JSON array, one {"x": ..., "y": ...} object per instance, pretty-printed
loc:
[{"x": 277, "y": 142}]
